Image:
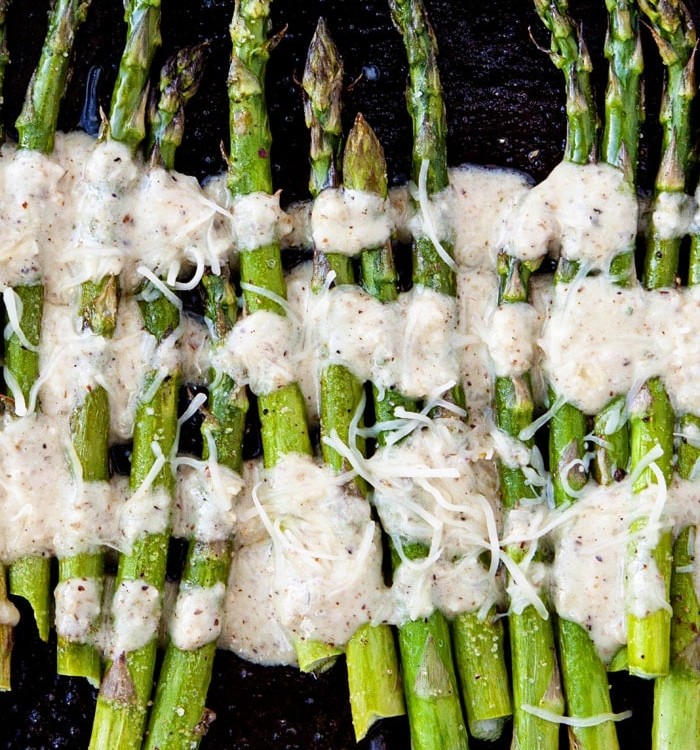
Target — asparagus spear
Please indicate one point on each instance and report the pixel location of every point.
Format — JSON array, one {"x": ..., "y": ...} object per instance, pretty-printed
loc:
[
  {"x": 179, "y": 712},
  {"x": 282, "y": 412},
  {"x": 373, "y": 673},
  {"x": 583, "y": 672},
  {"x": 652, "y": 418},
  {"x": 435, "y": 716},
  {"x": 569, "y": 53},
  {"x": 677, "y": 695},
  {"x": 536, "y": 678},
  {"x": 98, "y": 310},
  {"x": 126, "y": 686},
  {"x": 485, "y": 687},
  {"x": 36, "y": 125},
  {"x": 620, "y": 141}
]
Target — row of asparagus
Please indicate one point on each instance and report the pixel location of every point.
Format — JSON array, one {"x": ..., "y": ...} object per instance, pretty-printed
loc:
[{"x": 658, "y": 645}]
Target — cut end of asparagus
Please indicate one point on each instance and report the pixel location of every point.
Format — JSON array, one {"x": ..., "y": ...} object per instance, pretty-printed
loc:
[
  {"x": 30, "y": 579},
  {"x": 316, "y": 657},
  {"x": 374, "y": 678},
  {"x": 79, "y": 660}
]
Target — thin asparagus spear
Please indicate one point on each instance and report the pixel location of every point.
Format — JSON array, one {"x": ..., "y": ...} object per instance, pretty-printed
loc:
[
  {"x": 536, "y": 678},
  {"x": 569, "y": 54},
  {"x": 675, "y": 37},
  {"x": 282, "y": 412},
  {"x": 436, "y": 720},
  {"x": 36, "y": 125},
  {"x": 179, "y": 712},
  {"x": 322, "y": 85},
  {"x": 127, "y": 122},
  {"x": 373, "y": 672},
  {"x": 652, "y": 419},
  {"x": 620, "y": 142}
]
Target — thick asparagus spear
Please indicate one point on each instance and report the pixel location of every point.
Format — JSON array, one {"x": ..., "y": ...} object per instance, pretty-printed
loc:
[
  {"x": 126, "y": 686},
  {"x": 179, "y": 712},
  {"x": 485, "y": 689},
  {"x": 373, "y": 672},
  {"x": 36, "y": 125},
  {"x": 677, "y": 696},
  {"x": 98, "y": 310},
  {"x": 282, "y": 412},
  {"x": 583, "y": 672},
  {"x": 652, "y": 419}
]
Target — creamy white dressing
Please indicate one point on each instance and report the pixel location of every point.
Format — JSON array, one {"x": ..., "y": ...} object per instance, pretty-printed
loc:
[
  {"x": 78, "y": 608},
  {"x": 485, "y": 200},
  {"x": 136, "y": 609},
  {"x": 146, "y": 511},
  {"x": 47, "y": 509},
  {"x": 672, "y": 214},
  {"x": 327, "y": 578},
  {"x": 204, "y": 501},
  {"x": 600, "y": 340},
  {"x": 349, "y": 221},
  {"x": 260, "y": 351},
  {"x": 197, "y": 617},
  {"x": 307, "y": 560},
  {"x": 412, "y": 344},
  {"x": 585, "y": 212},
  {"x": 430, "y": 489}
]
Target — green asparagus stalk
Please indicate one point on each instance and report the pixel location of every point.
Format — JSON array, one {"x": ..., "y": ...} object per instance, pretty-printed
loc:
[
  {"x": 583, "y": 672},
  {"x": 98, "y": 310},
  {"x": 322, "y": 85},
  {"x": 373, "y": 672},
  {"x": 122, "y": 703},
  {"x": 569, "y": 54},
  {"x": 127, "y": 122},
  {"x": 675, "y": 37},
  {"x": 36, "y": 125},
  {"x": 536, "y": 678},
  {"x": 620, "y": 145},
  {"x": 282, "y": 413},
  {"x": 436, "y": 718},
  {"x": 677, "y": 695},
  {"x": 179, "y": 711},
  {"x": 652, "y": 418}
]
